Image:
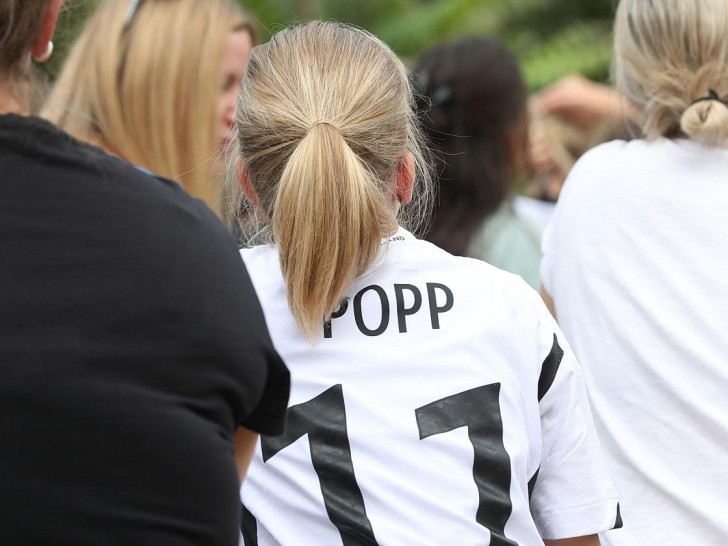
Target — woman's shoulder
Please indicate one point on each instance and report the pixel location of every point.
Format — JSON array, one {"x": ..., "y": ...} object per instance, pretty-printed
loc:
[
  {"x": 38, "y": 140},
  {"x": 603, "y": 154},
  {"x": 264, "y": 268},
  {"x": 618, "y": 154},
  {"x": 475, "y": 275},
  {"x": 260, "y": 257},
  {"x": 122, "y": 202},
  {"x": 400, "y": 259},
  {"x": 607, "y": 167}
]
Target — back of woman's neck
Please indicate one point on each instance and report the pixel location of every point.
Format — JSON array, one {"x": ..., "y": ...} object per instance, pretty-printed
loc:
[{"x": 14, "y": 98}]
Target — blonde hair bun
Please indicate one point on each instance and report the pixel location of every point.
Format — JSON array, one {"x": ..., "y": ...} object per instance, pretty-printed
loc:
[
  {"x": 706, "y": 121},
  {"x": 667, "y": 55}
]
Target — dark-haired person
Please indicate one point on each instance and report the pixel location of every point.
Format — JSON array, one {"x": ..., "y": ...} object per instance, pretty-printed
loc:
[
  {"x": 433, "y": 399},
  {"x": 636, "y": 262},
  {"x": 132, "y": 345},
  {"x": 476, "y": 104}
]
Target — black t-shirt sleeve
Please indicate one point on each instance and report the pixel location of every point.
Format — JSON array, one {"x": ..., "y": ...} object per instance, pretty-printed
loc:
[
  {"x": 263, "y": 378},
  {"x": 268, "y": 417}
]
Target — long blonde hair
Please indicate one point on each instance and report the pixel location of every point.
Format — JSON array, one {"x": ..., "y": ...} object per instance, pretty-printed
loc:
[
  {"x": 671, "y": 58},
  {"x": 146, "y": 89},
  {"x": 325, "y": 117}
]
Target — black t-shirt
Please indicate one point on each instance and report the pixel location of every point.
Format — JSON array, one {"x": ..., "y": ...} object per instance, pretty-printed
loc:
[{"x": 131, "y": 346}]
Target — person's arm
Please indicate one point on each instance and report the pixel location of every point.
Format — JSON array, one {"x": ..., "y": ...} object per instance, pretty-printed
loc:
[
  {"x": 548, "y": 300},
  {"x": 582, "y": 101},
  {"x": 245, "y": 441},
  {"x": 591, "y": 540}
]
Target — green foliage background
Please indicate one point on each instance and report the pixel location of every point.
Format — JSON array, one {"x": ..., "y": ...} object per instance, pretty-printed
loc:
[{"x": 551, "y": 37}]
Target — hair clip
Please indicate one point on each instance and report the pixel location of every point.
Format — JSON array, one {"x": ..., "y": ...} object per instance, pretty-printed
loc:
[
  {"x": 712, "y": 95},
  {"x": 442, "y": 95}
]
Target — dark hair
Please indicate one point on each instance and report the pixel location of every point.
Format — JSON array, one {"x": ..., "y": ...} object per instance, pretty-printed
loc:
[
  {"x": 474, "y": 96},
  {"x": 19, "y": 25}
]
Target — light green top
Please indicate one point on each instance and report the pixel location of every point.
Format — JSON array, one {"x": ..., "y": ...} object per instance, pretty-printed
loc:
[{"x": 509, "y": 242}]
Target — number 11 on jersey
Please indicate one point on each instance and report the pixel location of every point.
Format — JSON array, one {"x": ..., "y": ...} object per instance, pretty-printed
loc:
[{"x": 323, "y": 418}]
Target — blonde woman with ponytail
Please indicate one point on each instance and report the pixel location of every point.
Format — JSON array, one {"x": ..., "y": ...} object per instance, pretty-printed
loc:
[
  {"x": 636, "y": 265},
  {"x": 440, "y": 401},
  {"x": 154, "y": 82}
]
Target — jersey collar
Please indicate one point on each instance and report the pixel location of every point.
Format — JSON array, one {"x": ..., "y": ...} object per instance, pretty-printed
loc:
[{"x": 399, "y": 236}]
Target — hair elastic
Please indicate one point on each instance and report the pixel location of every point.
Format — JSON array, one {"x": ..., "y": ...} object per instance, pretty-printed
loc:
[
  {"x": 712, "y": 95},
  {"x": 324, "y": 122}
]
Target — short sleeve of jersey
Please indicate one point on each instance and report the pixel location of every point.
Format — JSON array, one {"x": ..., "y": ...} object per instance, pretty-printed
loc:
[{"x": 573, "y": 494}]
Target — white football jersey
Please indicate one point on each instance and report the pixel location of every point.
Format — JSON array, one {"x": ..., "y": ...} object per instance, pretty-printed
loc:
[{"x": 440, "y": 406}]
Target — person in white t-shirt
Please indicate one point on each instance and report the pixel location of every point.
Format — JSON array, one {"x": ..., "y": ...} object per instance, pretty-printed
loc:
[
  {"x": 434, "y": 400},
  {"x": 636, "y": 265}
]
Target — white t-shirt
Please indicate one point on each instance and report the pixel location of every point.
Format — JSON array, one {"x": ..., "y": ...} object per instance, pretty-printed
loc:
[
  {"x": 535, "y": 211},
  {"x": 416, "y": 418},
  {"x": 636, "y": 260}
]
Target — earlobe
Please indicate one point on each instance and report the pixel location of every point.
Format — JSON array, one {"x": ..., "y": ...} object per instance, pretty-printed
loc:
[
  {"x": 405, "y": 178},
  {"x": 243, "y": 176}
]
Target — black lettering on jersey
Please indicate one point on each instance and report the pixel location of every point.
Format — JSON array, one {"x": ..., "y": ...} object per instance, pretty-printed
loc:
[
  {"x": 392, "y": 240},
  {"x": 323, "y": 419},
  {"x": 403, "y": 311},
  {"x": 384, "y": 321},
  {"x": 435, "y": 311},
  {"x": 343, "y": 306}
]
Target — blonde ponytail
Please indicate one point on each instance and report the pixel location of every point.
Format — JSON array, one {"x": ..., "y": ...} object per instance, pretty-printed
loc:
[
  {"x": 325, "y": 116},
  {"x": 328, "y": 220}
]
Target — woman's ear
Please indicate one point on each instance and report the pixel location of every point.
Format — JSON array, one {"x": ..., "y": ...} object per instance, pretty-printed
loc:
[
  {"x": 243, "y": 176},
  {"x": 40, "y": 48},
  {"x": 405, "y": 178}
]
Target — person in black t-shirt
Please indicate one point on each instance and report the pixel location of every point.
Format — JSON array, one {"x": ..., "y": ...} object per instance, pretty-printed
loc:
[{"x": 132, "y": 345}]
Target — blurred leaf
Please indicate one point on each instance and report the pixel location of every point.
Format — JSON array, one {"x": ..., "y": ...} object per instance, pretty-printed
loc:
[{"x": 582, "y": 47}]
